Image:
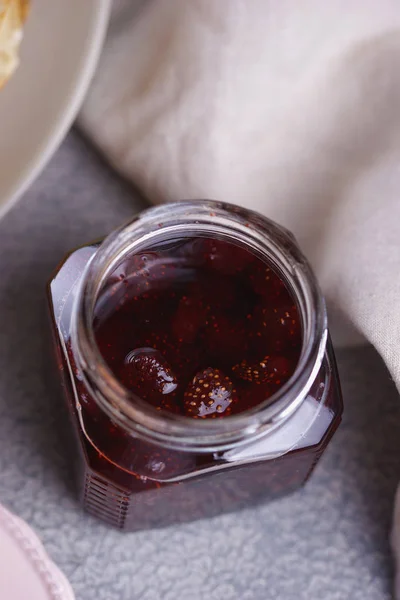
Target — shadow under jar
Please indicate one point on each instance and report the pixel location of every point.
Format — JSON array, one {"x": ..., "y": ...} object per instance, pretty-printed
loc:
[{"x": 198, "y": 370}]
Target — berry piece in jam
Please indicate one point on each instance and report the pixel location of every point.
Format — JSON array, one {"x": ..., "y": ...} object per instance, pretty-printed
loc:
[
  {"x": 144, "y": 272},
  {"x": 188, "y": 319},
  {"x": 135, "y": 273},
  {"x": 275, "y": 369},
  {"x": 265, "y": 281},
  {"x": 255, "y": 373},
  {"x": 253, "y": 395},
  {"x": 216, "y": 286},
  {"x": 226, "y": 337},
  {"x": 183, "y": 358},
  {"x": 226, "y": 258},
  {"x": 277, "y": 325},
  {"x": 148, "y": 374},
  {"x": 210, "y": 394},
  {"x": 281, "y": 368}
]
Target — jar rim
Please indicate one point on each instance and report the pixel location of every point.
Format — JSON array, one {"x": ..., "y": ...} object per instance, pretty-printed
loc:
[{"x": 174, "y": 220}]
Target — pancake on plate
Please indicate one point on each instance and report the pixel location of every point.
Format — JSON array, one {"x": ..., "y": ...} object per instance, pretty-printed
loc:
[{"x": 12, "y": 17}]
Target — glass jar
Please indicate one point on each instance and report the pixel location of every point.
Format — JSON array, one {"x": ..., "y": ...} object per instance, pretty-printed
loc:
[{"x": 142, "y": 468}]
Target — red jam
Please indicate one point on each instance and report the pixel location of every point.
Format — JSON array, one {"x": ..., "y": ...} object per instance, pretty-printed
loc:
[
  {"x": 204, "y": 329},
  {"x": 200, "y": 327}
]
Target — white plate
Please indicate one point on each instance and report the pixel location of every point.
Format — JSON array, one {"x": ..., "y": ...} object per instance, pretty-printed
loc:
[
  {"x": 62, "y": 41},
  {"x": 26, "y": 571}
]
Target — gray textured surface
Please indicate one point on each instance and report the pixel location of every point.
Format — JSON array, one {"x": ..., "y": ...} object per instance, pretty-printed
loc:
[{"x": 328, "y": 542}]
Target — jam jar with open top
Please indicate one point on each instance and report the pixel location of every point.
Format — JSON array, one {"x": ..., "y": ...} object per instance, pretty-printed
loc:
[{"x": 198, "y": 370}]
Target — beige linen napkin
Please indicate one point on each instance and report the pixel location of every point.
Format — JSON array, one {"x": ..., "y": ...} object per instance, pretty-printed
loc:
[{"x": 291, "y": 108}]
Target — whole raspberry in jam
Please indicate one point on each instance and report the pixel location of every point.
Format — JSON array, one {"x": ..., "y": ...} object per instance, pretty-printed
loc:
[{"x": 210, "y": 394}]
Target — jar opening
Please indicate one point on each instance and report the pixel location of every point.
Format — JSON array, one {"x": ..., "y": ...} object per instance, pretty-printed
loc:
[{"x": 163, "y": 225}]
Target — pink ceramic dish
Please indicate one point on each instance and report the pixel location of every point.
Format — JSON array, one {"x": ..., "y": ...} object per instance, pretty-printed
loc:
[{"x": 26, "y": 571}]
